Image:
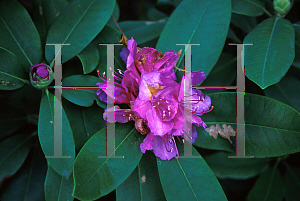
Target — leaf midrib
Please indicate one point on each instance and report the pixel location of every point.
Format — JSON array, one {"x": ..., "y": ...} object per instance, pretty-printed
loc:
[
  {"x": 52, "y": 118},
  {"x": 107, "y": 158},
  {"x": 84, "y": 13},
  {"x": 186, "y": 179},
  {"x": 269, "y": 43},
  {"x": 16, "y": 41},
  {"x": 194, "y": 31}
]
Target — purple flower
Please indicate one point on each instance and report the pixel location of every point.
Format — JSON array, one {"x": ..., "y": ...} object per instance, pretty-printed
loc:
[
  {"x": 157, "y": 102},
  {"x": 41, "y": 76},
  {"x": 160, "y": 107}
]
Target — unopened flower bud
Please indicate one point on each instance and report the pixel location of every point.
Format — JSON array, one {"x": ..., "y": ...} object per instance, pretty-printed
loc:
[
  {"x": 41, "y": 76},
  {"x": 281, "y": 7}
]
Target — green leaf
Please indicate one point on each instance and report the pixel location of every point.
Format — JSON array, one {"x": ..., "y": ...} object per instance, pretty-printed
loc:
[
  {"x": 235, "y": 168},
  {"x": 244, "y": 22},
  {"x": 143, "y": 183},
  {"x": 248, "y": 7},
  {"x": 130, "y": 188},
  {"x": 285, "y": 91},
  {"x": 206, "y": 23},
  {"x": 21, "y": 36},
  {"x": 58, "y": 187},
  {"x": 62, "y": 164},
  {"x": 28, "y": 182},
  {"x": 116, "y": 14},
  {"x": 268, "y": 187},
  {"x": 11, "y": 119},
  {"x": 189, "y": 175},
  {"x": 84, "y": 121},
  {"x": 51, "y": 10},
  {"x": 204, "y": 140},
  {"x": 89, "y": 58},
  {"x": 292, "y": 184},
  {"x": 142, "y": 31},
  {"x": 109, "y": 35},
  {"x": 82, "y": 96},
  {"x": 13, "y": 152},
  {"x": 12, "y": 75},
  {"x": 86, "y": 18},
  {"x": 223, "y": 73},
  {"x": 272, "y": 53},
  {"x": 264, "y": 136},
  {"x": 39, "y": 20},
  {"x": 96, "y": 177}
]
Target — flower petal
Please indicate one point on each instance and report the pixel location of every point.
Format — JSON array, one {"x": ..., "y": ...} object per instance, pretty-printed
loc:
[
  {"x": 156, "y": 125},
  {"x": 115, "y": 114},
  {"x": 197, "y": 78},
  {"x": 124, "y": 54},
  {"x": 164, "y": 147},
  {"x": 147, "y": 143}
]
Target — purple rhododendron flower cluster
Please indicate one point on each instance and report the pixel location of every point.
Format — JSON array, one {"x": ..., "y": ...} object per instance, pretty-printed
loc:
[{"x": 160, "y": 107}]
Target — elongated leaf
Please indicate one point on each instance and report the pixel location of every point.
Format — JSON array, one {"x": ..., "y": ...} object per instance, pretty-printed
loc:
[
  {"x": 116, "y": 14},
  {"x": 206, "y": 23},
  {"x": 28, "y": 182},
  {"x": 82, "y": 96},
  {"x": 12, "y": 74},
  {"x": 89, "y": 58},
  {"x": 96, "y": 177},
  {"x": 19, "y": 36},
  {"x": 204, "y": 140},
  {"x": 130, "y": 188},
  {"x": 248, "y": 7},
  {"x": 84, "y": 121},
  {"x": 292, "y": 184},
  {"x": 272, "y": 53},
  {"x": 62, "y": 164},
  {"x": 269, "y": 186},
  {"x": 109, "y": 35},
  {"x": 285, "y": 91},
  {"x": 58, "y": 187},
  {"x": 13, "y": 152},
  {"x": 86, "y": 18},
  {"x": 39, "y": 20},
  {"x": 271, "y": 126},
  {"x": 236, "y": 168},
  {"x": 142, "y": 31},
  {"x": 51, "y": 10},
  {"x": 143, "y": 183},
  {"x": 189, "y": 175},
  {"x": 223, "y": 73}
]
